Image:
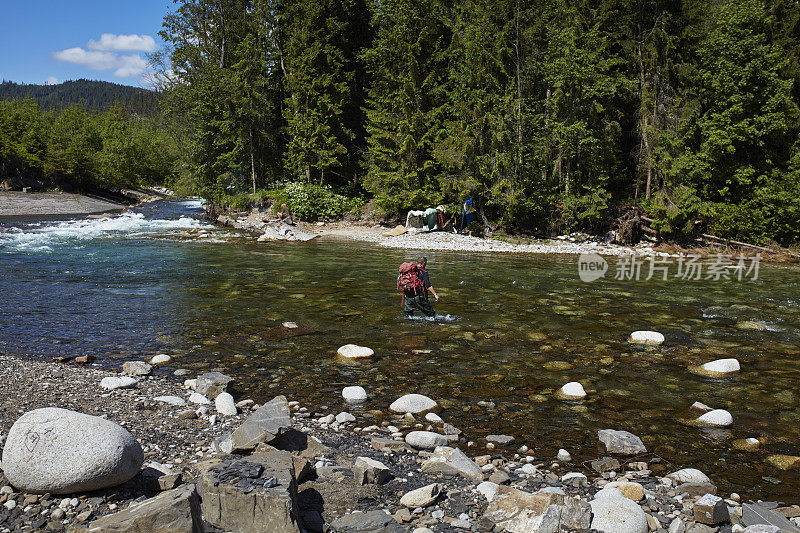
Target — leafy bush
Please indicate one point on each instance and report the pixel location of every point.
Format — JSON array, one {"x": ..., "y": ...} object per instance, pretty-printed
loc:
[
  {"x": 585, "y": 211},
  {"x": 675, "y": 215},
  {"x": 311, "y": 202},
  {"x": 235, "y": 202}
]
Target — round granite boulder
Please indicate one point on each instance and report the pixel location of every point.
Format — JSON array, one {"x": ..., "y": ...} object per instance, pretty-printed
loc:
[{"x": 60, "y": 451}]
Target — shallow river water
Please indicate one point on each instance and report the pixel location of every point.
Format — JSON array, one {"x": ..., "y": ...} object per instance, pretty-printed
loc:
[{"x": 515, "y": 328}]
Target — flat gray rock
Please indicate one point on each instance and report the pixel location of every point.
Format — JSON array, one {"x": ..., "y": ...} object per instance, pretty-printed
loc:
[
  {"x": 621, "y": 442},
  {"x": 452, "y": 461},
  {"x": 369, "y": 522},
  {"x": 266, "y": 424},
  {"x": 173, "y": 511},
  {"x": 252, "y": 495},
  {"x": 753, "y": 514},
  {"x": 60, "y": 451}
]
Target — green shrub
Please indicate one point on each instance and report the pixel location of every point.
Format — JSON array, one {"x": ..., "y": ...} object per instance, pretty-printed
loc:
[
  {"x": 235, "y": 202},
  {"x": 311, "y": 202},
  {"x": 676, "y": 215}
]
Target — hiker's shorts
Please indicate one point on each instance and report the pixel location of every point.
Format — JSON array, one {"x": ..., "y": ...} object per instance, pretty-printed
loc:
[{"x": 418, "y": 302}]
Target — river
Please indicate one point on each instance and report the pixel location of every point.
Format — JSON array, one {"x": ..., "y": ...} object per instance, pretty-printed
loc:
[{"x": 514, "y": 328}]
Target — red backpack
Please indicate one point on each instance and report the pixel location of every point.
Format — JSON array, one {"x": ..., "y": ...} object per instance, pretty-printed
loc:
[{"x": 409, "y": 281}]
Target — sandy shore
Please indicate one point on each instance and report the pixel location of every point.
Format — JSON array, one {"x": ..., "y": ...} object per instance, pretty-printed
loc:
[{"x": 15, "y": 203}]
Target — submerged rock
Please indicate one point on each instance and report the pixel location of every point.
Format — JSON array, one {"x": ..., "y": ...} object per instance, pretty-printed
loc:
[
  {"x": 751, "y": 325},
  {"x": 60, "y": 451}
]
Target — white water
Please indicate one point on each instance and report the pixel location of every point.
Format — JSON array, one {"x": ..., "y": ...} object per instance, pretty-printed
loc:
[{"x": 44, "y": 237}]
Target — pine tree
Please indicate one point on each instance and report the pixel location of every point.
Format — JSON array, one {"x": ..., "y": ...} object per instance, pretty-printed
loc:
[{"x": 405, "y": 114}]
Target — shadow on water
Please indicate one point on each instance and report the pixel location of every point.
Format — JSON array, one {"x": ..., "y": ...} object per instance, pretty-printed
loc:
[{"x": 512, "y": 330}]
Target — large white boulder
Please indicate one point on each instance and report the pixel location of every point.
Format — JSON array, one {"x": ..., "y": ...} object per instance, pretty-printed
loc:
[
  {"x": 571, "y": 391},
  {"x": 354, "y": 394},
  {"x": 614, "y": 513},
  {"x": 652, "y": 338},
  {"x": 353, "y": 351},
  {"x": 412, "y": 403},
  {"x": 716, "y": 417},
  {"x": 60, "y": 451}
]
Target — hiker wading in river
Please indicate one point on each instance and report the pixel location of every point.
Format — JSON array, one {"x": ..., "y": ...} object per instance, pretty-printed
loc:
[{"x": 415, "y": 284}]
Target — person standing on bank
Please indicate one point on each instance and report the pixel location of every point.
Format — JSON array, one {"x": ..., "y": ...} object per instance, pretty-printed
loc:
[{"x": 416, "y": 297}]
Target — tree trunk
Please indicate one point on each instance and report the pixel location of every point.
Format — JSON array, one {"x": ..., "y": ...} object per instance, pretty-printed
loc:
[
  {"x": 252, "y": 158},
  {"x": 518, "y": 162}
]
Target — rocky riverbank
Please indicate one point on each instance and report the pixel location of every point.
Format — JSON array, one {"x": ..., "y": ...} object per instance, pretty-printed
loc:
[
  {"x": 211, "y": 463},
  {"x": 253, "y": 221}
]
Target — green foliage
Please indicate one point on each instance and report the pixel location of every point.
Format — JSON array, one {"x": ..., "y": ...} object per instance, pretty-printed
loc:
[
  {"x": 677, "y": 215},
  {"x": 584, "y": 210},
  {"x": 93, "y": 95},
  {"x": 311, "y": 202},
  {"x": 544, "y": 112},
  {"x": 74, "y": 147}
]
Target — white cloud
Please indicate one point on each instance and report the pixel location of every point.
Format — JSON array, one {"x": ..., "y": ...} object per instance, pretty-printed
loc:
[
  {"x": 93, "y": 60},
  {"x": 123, "y": 43},
  {"x": 124, "y": 66},
  {"x": 52, "y": 80}
]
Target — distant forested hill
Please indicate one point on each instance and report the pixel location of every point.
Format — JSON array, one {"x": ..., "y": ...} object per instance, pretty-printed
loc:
[{"x": 94, "y": 95}]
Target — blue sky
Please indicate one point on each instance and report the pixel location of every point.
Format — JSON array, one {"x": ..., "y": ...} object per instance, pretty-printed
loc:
[{"x": 60, "y": 40}]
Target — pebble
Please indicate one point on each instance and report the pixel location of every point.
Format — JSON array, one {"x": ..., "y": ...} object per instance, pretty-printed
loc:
[
  {"x": 171, "y": 400},
  {"x": 413, "y": 403},
  {"x": 199, "y": 399},
  {"x": 345, "y": 417},
  {"x": 160, "y": 359},
  {"x": 571, "y": 391},
  {"x": 225, "y": 405},
  {"x": 564, "y": 456},
  {"x": 121, "y": 382},
  {"x": 10, "y": 504}
]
